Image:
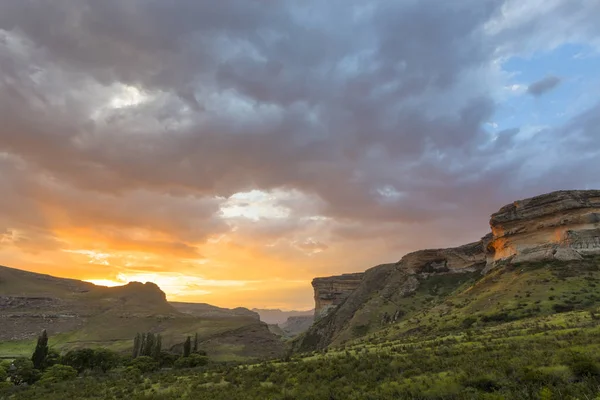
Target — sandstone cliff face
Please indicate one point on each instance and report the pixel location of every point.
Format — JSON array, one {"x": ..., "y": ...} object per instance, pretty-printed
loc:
[
  {"x": 562, "y": 225},
  {"x": 379, "y": 287},
  {"x": 332, "y": 291}
]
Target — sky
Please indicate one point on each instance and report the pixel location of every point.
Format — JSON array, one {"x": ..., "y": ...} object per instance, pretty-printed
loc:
[{"x": 232, "y": 151}]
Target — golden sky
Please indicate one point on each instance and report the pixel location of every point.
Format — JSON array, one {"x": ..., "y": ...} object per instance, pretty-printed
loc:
[{"x": 231, "y": 152}]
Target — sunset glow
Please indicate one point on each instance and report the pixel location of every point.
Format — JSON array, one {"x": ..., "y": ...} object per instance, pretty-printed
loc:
[{"x": 231, "y": 154}]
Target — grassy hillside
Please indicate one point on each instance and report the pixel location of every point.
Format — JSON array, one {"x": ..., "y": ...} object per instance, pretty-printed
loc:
[
  {"x": 77, "y": 314},
  {"x": 439, "y": 303},
  {"x": 556, "y": 356}
]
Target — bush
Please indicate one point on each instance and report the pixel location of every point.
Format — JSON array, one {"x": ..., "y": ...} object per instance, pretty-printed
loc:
[
  {"x": 467, "y": 322},
  {"x": 583, "y": 368},
  {"x": 145, "y": 364},
  {"x": 3, "y": 374},
  {"x": 484, "y": 383},
  {"x": 58, "y": 373},
  {"x": 22, "y": 371},
  {"x": 193, "y": 361}
]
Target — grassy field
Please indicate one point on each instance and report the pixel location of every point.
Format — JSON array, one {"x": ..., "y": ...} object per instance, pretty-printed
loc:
[{"x": 549, "y": 357}]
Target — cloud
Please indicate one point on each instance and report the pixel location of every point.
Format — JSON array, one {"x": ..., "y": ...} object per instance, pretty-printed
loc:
[
  {"x": 544, "y": 85},
  {"x": 268, "y": 140}
]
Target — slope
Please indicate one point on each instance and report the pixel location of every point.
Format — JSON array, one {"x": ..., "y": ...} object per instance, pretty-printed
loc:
[{"x": 79, "y": 314}]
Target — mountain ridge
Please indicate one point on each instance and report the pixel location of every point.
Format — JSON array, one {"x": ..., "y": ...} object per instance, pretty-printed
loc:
[
  {"x": 81, "y": 314},
  {"x": 559, "y": 231}
]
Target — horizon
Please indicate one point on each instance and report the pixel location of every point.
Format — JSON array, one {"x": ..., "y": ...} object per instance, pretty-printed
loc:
[{"x": 231, "y": 152}]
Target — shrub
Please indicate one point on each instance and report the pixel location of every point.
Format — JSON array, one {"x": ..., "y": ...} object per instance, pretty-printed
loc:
[
  {"x": 58, "y": 373},
  {"x": 145, "y": 364},
  {"x": 484, "y": 383},
  {"x": 583, "y": 368},
  {"x": 22, "y": 371},
  {"x": 467, "y": 322},
  {"x": 193, "y": 361}
]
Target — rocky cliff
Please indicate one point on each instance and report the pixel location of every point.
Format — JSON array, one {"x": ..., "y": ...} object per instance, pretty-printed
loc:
[
  {"x": 560, "y": 226},
  {"x": 332, "y": 291}
]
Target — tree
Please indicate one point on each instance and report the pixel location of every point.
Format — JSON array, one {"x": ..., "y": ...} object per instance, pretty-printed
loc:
[
  {"x": 3, "y": 374},
  {"x": 196, "y": 343},
  {"x": 52, "y": 358},
  {"x": 80, "y": 359},
  {"x": 105, "y": 360},
  {"x": 41, "y": 351},
  {"x": 157, "y": 348},
  {"x": 22, "y": 371},
  {"x": 59, "y": 373},
  {"x": 136, "y": 345},
  {"x": 187, "y": 347},
  {"x": 145, "y": 364},
  {"x": 148, "y": 349}
]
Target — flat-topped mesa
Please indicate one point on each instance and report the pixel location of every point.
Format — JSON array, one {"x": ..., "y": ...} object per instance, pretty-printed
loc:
[
  {"x": 331, "y": 291},
  {"x": 563, "y": 225}
]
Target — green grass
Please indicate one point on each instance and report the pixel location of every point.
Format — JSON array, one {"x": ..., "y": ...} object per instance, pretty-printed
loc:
[{"x": 523, "y": 359}]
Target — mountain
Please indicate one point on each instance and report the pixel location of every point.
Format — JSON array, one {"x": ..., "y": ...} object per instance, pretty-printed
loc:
[
  {"x": 294, "y": 326},
  {"x": 80, "y": 314},
  {"x": 203, "y": 310},
  {"x": 278, "y": 317},
  {"x": 541, "y": 257}
]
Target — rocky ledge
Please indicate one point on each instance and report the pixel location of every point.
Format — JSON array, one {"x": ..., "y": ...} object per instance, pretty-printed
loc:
[
  {"x": 332, "y": 291},
  {"x": 563, "y": 225}
]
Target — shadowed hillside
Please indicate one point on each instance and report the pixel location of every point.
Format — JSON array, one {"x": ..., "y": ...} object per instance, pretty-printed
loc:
[{"x": 79, "y": 314}]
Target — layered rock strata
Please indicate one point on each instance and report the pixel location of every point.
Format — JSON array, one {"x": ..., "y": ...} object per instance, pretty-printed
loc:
[
  {"x": 562, "y": 225},
  {"x": 332, "y": 291}
]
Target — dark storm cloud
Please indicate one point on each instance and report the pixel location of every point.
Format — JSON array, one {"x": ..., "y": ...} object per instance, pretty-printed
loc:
[
  {"x": 376, "y": 109},
  {"x": 544, "y": 85}
]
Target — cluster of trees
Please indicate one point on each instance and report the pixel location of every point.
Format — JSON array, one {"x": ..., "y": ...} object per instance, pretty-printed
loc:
[
  {"x": 148, "y": 345},
  {"x": 46, "y": 365}
]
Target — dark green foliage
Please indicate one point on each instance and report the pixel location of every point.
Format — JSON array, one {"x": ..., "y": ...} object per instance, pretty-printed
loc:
[
  {"x": 101, "y": 360},
  {"x": 145, "y": 364},
  {"x": 195, "y": 343},
  {"x": 498, "y": 317},
  {"x": 3, "y": 374},
  {"x": 52, "y": 358},
  {"x": 105, "y": 360},
  {"x": 58, "y": 373},
  {"x": 167, "y": 360},
  {"x": 148, "y": 345},
  {"x": 467, "y": 322},
  {"x": 41, "y": 351},
  {"x": 137, "y": 341},
  {"x": 193, "y": 361},
  {"x": 485, "y": 383},
  {"x": 22, "y": 371},
  {"x": 583, "y": 366},
  {"x": 187, "y": 347},
  {"x": 81, "y": 360},
  {"x": 157, "y": 348},
  {"x": 148, "y": 349},
  {"x": 562, "y": 307}
]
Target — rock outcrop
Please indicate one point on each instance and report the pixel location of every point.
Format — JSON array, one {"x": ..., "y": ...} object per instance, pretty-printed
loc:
[
  {"x": 562, "y": 225},
  {"x": 332, "y": 291},
  {"x": 297, "y": 325}
]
